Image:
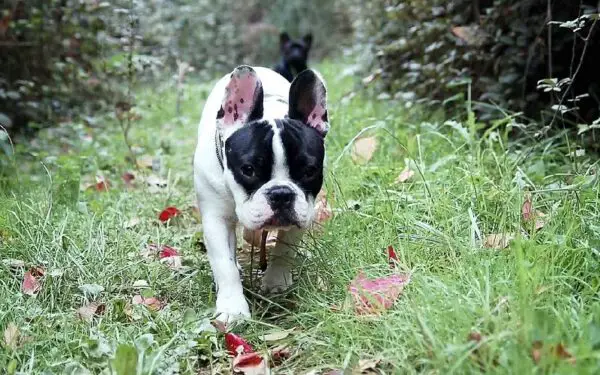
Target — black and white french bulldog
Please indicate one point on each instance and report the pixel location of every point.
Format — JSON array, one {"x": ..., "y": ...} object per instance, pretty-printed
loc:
[
  {"x": 258, "y": 162},
  {"x": 294, "y": 55}
]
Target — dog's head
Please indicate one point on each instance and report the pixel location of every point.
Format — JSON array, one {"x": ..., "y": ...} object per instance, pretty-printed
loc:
[
  {"x": 274, "y": 168},
  {"x": 295, "y": 52}
]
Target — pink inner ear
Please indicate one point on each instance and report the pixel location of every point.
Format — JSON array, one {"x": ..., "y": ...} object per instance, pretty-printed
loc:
[
  {"x": 239, "y": 97},
  {"x": 318, "y": 119}
]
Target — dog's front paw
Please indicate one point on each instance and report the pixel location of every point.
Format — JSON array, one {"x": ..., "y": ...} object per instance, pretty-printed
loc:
[
  {"x": 232, "y": 308},
  {"x": 276, "y": 279}
]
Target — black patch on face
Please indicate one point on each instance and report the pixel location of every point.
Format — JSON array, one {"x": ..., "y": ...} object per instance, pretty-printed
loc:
[
  {"x": 251, "y": 148},
  {"x": 304, "y": 151}
]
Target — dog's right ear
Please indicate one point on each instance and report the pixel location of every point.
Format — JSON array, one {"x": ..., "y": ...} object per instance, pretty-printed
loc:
[
  {"x": 283, "y": 39},
  {"x": 243, "y": 99}
]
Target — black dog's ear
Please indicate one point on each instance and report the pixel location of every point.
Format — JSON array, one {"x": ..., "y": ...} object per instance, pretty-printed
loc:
[
  {"x": 283, "y": 39},
  {"x": 308, "y": 40},
  {"x": 308, "y": 101}
]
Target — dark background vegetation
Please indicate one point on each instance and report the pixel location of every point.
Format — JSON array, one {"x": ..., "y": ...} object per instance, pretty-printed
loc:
[{"x": 66, "y": 59}]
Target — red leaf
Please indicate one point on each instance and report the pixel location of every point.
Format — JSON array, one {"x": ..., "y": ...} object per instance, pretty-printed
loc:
[
  {"x": 31, "y": 286},
  {"x": 167, "y": 252},
  {"x": 168, "y": 213},
  {"x": 128, "y": 178},
  {"x": 392, "y": 257},
  {"x": 375, "y": 295},
  {"x": 237, "y": 345},
  {"x": 102, "y": 184},
  {"x": 250, "y": 364},
  {"x": 323, "y": 210}
]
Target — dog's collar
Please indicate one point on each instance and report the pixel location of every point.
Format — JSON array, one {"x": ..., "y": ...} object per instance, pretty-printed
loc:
[{"x": 219, "y": 148}]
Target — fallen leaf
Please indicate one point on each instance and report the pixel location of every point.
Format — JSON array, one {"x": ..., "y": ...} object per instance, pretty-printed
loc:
[
  {"x": 151, "y": 302},
  {"x": 139, "y": 284},
  {"x": 561, "y": 352},
  {"x": 31, "y": 286},
  {"x": 144, "y": 161},
  {"x": 128, "y": 178},
  {"x": 405, "y": 175},
  {"x": 366, "y": 366},
  {"x": 471, "y": 35},
  {"x": 392, "y": 257},
  {"x": 363, "y": 149},
  {"x": 498, "y": 240},
  {"x": 219, "y": 325},
  {"x": 475, "y": 336},
  {"x": 254, "y": 237},
  {"x": 323, "y": 210},
  {"x": 37, "y": 271},
  {"x": 237, "y": 345},
  {"x": 276, "y": 335},
  {"x": 372, "y": 296},
  {"x": 102, "y": 184},
  {"x": 167, "y": 251},
  {"x": 11, "y": 336},
  {"x": 279, "y": 354},
  {"x": 168, "y": 213},
  {"x": 536, "y": 351},
  {"x": 155, "y": 183},
  {"x": 527, "y": 209},
  {"x": 87, "y": 312},
  {"x": 13, "y": 263},
  {"x": 131, "y": 223},
  {"x": 250, "y": 364}
]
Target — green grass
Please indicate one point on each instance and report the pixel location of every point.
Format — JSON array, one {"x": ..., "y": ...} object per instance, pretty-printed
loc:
[{"x": 543, "y": 287}]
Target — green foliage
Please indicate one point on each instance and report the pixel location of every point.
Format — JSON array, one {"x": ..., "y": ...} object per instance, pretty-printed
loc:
[
  {"x": 434, "y": 49},
  {"x": 48, "y": 54}
]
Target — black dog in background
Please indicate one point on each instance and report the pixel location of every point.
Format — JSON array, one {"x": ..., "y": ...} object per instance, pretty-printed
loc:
[{"x": 294, "y": 55}]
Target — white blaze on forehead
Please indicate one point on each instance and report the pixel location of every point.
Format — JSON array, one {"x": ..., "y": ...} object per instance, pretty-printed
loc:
[{"x": 280, "y": 168}]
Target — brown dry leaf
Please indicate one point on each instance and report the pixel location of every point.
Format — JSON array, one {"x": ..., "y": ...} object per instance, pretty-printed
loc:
[
  {"x": 371, "y": 77},
  {"x": 144, "y": 161},
  {"x": 253, "y": 238},
  {"x": 152, "y": 303},
  {"x": 363, "y": 149},
  {"x": 87, "y": 312},
  {"x": 11, "y": 336},
  {"x": 498, "y": 240},
  {"x": 471, "y": 35},
  {"x": 530, "y": 214},
  {"x": 367, "y": 366},
  {"x": 536, "y": 351},
  {"x": 405, "y": 175},
  {"x": 561, "y": 352},
  {"x": 323, "y": 211}
]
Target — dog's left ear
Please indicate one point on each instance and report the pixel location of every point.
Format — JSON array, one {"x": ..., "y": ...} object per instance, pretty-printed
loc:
[
  {"x": 308, "y": 101},
  {"x": 243, "y": 99},
  {"x": 308, "y": 40}
]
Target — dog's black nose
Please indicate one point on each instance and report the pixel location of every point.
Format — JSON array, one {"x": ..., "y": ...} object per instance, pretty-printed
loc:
[{"x": 280, "y": 197}]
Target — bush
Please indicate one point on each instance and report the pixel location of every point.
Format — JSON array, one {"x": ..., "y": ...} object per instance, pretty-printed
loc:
[
  {"x": 49, "y": 52},
  {"x": 433, "y": 48}
]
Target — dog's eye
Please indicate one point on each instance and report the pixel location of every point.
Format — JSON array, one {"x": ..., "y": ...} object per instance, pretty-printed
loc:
[
  {"x": 247, "y": 170},
  {"x": 309, "y": 172}
]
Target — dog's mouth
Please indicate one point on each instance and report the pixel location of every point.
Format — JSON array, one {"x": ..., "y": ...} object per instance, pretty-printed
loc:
[{"x": 280, "y": 220}]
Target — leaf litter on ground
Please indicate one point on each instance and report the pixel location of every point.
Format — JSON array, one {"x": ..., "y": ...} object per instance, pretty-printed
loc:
[
  {"x": 168, "y": 213},
  {"x": 405, "y": 175},
  {"x": 30, "y": 285},
  {"x": 372, "y": 296},
  {"x": 532, "y": 216},
  {"x": 363, "y": 149}
]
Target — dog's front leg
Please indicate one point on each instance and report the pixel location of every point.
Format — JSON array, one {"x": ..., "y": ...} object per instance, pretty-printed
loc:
[
  {"x": 278, "y": 276},
  {"x": 220, "y": 239}
]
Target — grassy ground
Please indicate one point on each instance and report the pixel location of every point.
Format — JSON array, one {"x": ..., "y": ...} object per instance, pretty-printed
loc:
[{"x": 543, "y": 288}]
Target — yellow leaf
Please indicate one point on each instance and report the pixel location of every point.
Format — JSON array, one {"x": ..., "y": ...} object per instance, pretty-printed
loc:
[{"x": 363, "y": 149}]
